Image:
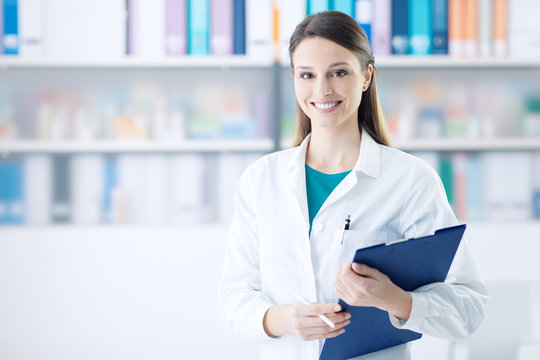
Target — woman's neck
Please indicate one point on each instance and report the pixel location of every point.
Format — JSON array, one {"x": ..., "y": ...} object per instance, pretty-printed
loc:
[{"x": 333, "y": 152}]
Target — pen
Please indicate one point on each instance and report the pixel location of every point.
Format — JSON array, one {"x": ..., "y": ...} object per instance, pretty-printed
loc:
[
  {"x": 321, "y": 316},
  {"x": 345, "y": 227}
]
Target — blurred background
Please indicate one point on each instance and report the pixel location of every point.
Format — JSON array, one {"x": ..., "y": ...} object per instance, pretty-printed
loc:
[{"x": 125, "y": 124}]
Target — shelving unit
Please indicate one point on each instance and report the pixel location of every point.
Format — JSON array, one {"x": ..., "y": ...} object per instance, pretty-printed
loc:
[
  {"x": 400, "y": 69},
  {"x": 140, "y": 86},
  {"x": 136, "y": 146}
]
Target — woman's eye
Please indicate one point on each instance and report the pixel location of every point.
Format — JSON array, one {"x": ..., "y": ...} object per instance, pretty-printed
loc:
[
  {"x": 339, "y": 73},
  {"x": 306, "y": 76}
]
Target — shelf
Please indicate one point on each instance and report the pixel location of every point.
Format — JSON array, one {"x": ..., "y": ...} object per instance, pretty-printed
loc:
[
  {"x": 443, "y": 61},
  {"x": 502, "y": 144},
  {"x": 238, "y": 61},
  {"x": 242, "y": 61},
  {"x": 454, "y": 145},
  {"x": 447, "y": 62},
  {"x": 253, "y": 145},
  {"x": 136, "y": 146}
]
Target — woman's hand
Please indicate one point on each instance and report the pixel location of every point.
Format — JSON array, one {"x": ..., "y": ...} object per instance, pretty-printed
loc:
[
  {"x": 361, "y": 285},
  {"x": 304, "y": 322}
]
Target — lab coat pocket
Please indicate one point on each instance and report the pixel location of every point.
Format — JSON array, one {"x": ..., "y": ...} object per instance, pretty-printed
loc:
[
  {"x": 352, "y": 240},
  {"x": 358, "y": 239}
]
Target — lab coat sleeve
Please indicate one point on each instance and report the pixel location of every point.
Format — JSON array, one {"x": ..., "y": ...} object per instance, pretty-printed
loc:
[
  {"x": 455, "y": 308},
  {"x": 241, "y": 304}
]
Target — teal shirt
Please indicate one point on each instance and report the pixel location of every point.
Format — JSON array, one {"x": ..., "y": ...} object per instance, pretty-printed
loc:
[{"x": 318, "y": 187}]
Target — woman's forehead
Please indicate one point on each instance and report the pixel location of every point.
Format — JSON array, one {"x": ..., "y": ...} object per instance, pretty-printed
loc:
[{"x": 321, "y": 52}]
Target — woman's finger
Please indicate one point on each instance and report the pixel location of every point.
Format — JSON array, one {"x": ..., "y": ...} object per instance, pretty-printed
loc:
[
  {"x": 367, "y": 271},
  {"x": 325, "y": 332},
  {"x": 317, "y": 309}
]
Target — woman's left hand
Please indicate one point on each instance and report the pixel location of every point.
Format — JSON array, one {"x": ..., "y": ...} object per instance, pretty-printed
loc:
[{"x": 361, "y": 285}]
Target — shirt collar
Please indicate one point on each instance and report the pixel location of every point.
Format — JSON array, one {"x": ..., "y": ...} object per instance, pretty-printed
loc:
[{"x": 369, "y": 159}]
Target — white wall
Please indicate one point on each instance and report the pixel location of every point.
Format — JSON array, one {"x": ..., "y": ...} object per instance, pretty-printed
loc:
[
  {"x": 149, "y": 293},
  {"x": 98, "y": 293}
]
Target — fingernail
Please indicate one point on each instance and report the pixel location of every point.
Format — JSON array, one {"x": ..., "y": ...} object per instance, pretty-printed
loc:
[
  {"x": 337, "y": 308},
  {"x": 348, "y": 316}
]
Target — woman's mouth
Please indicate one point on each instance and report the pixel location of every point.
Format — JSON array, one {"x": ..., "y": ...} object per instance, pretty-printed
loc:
[{"x": 326, "y": 106}]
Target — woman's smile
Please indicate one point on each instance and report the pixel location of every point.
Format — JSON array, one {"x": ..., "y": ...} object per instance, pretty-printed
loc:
[
  {"x": 329, "y": 82},
  {"x": 325, "y": 106}
]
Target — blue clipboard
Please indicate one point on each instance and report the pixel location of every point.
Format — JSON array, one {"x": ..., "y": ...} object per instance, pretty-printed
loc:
[{"x": 410, "y": 264}]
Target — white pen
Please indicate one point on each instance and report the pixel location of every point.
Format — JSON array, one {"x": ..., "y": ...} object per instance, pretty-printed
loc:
[{"x": 321, "y": 316}]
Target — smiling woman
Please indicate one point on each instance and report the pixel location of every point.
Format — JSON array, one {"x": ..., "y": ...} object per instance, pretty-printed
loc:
[
  {"x": 290, "y": 205},
  {"x": 346, "y": 54},
  {"x": 329, "y": 89}
]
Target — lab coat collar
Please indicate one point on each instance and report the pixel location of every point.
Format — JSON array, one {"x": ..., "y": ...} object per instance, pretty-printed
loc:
[
  {"x": 369, "y": 159},
  {"x": 299, "y": 157}
]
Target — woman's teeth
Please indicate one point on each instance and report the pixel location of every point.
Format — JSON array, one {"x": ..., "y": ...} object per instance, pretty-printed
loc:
[{"x": 325, "y": 105}]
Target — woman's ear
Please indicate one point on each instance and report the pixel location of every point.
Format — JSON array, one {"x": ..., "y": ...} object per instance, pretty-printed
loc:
[{"x": 367, "y": 77}]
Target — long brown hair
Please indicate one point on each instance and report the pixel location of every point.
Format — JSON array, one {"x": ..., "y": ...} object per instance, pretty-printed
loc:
[{"x": 345, "y": 31}]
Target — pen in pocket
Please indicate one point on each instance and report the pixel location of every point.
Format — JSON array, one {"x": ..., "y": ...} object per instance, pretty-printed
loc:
[{"x": 345, "y": 227}]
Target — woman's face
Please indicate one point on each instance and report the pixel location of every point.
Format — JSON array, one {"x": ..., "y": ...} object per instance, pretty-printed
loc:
[{"x": 328, "y": 82}]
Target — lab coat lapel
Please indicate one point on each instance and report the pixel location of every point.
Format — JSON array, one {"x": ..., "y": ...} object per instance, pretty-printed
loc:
[
  {"x": 296, "y": 176},
  {"x": 343, "y": 188},
  {"x": 368, "y": 163}
]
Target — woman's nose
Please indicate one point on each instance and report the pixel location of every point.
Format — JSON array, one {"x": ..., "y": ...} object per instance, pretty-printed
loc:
[{"x": 324, "y": 87}]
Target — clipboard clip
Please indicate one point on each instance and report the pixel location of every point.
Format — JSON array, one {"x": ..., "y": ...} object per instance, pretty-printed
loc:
[{"x": 397, "y": 241}]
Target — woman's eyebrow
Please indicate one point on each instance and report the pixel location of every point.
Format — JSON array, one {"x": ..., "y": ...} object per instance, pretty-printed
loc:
[
  {"x": 340, "y": 63},
  {"x": 330, "y": 66}
]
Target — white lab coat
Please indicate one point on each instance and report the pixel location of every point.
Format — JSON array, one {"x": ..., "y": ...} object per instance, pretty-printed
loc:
[{"x": 270, "y": 256}]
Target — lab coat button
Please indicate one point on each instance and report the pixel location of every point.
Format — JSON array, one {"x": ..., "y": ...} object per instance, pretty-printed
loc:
[{"x": 319, "y": 227}]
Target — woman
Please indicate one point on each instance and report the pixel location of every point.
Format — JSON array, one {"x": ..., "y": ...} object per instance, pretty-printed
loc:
[{"x": 290, "y": 204}]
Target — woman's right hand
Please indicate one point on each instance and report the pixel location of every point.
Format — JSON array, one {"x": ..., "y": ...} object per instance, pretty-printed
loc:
[{"x": 304, "y": 322}]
